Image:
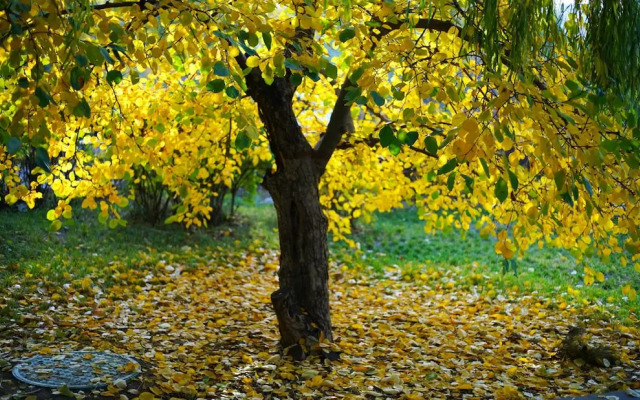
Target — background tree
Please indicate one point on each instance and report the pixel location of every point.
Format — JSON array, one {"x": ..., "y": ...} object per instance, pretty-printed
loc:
[{"x": 497, "y": 113}]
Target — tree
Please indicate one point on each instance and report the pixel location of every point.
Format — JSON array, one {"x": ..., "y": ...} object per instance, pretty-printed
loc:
[{"x": 497, "y": 113}]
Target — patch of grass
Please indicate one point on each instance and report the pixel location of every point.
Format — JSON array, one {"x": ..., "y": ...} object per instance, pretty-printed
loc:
[
  {"x": 28, "y": 248},
  {"x": 398, "y": 238},
  {"x": 30, "y": 253}
]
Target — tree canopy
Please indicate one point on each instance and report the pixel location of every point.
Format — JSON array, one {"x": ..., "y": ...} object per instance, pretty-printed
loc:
[{"x": 517, "y": 117}]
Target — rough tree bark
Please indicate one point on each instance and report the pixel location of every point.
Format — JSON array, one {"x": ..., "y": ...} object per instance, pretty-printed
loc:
[{"x": 302, "y": 301}]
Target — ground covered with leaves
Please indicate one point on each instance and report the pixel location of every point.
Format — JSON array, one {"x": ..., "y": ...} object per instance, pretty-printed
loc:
[{"x": 202, "y": 326}]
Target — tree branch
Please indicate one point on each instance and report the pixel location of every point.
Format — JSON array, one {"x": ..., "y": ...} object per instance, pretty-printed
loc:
[
  {"x": 110, "y": 5},
  {"x": 338, "y": 125}
]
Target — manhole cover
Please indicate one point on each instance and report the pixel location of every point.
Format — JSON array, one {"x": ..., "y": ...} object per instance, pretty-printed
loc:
[{"x": 76, "y": 370}]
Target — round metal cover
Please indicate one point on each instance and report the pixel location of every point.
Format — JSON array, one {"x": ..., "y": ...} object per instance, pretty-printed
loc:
[{"x": 76, "y": 369}]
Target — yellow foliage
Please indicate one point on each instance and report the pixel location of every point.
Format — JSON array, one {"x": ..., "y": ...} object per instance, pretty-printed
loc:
[{"x": 169, "y": 94}]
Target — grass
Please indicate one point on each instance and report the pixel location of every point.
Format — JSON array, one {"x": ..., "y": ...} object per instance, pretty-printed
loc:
[
  {"x": 30, "y": 253},
  {"x": 28, "y": 248},
  {"x": 398, "y": 238}
]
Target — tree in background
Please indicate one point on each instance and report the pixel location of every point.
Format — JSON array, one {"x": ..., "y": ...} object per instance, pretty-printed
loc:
[{"x": 498, "y": 113}]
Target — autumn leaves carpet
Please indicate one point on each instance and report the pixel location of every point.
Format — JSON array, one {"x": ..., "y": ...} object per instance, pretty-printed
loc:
[{"x": 205, "y": 329}]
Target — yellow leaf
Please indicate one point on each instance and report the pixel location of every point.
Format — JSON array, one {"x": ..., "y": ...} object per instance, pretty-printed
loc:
[
  {"x": 588, "y": 280},
  {"x": 51, "y": 215},
  {"x": 470, "y": 125},
  {"x": 147, "y": 396},
  {"x": 203, "y": 173},
  {"x": 636, "y": 267},
  {"x": 316, "y": 381},
  {"x": 632, "y": 294},
  {"x": 599, "y": 276},
  {"x": 253, "y": 61},
  {"x": 465, "y": 386}
]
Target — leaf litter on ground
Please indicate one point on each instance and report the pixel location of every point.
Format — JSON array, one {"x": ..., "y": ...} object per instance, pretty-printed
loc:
[{"x": 202, "y": 326}]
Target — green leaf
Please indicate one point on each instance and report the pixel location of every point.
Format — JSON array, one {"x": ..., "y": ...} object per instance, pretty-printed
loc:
[
  {"x": 106, "y": 55},
  {"x": 113, "y": 223},
  {"x": 397, "y": 94},
  {"x": 501, "y": 190},
  {"x": 295, "y": 79},
  {"x": 114, "y": 76},
  {"x": 220, "y": 69},
  {"x": 253, "y": 39},
  {"x": 468, "y": 181},
  {"x": 610, "y": 145},
  {"x": 566, "y": 196},
  {"x": 42, "y": 159},
  {"x": 14, "y": 145},
  {"x": 572, "y": 85},
  {"x": 513, "y": 179},
  {"x": 448, "y": 167},
  {"x": 589, "y": 208},
  {"x": 55, "y": 226},
  {"x": 82, "y": 109},
  {"x": 94, "y": 54},
  {"x": 313, "y": 75},
  {"x": 386, "y": 136},
  {"x": 395, "y": 147},
  {"x": 293, "y": 64},
  {"x": 43, "y": 97},
  {"x": 587, "y": 186},
  {"x": 485, "y": 167},
  {"x": 23, "y": 82},
  {"x": 77, "y": 78},
  {"x": 347, "y": 34},
  {"x": 559, "y": 177},
  {"x": 431, "y": 145},
  {"x": 43, "y": 131},
  {"x": 81, "y": 60},
  {"x": 451, "y": 180},
  {"x": 331, "y": 71},
  {"x": 355, "y": 75},
  {"x": 216, "y": 86},
  {"x": 408, "y": 113},
  {"x": 377, "y": 98},
  {"x": 410, "y": 138},
  {"x": 232, "y": 92},
  {"x": 505, "y": 266},
  {"x": 242, "y": 141},
  {"x": 266, "y": 38}
]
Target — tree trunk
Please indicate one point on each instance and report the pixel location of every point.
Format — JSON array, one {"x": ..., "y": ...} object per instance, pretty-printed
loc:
[{"x": 302, "y": 302}]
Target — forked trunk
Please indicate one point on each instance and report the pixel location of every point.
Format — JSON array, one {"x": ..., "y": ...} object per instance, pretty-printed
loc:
[{"x": 302, "y": 302}]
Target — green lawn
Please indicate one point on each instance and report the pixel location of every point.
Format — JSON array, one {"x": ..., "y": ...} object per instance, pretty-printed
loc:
[
  {"x": 30, "y": 253},
  {"x": 398, "y": 238}
]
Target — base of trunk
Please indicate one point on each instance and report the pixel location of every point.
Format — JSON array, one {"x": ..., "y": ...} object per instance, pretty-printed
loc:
[
  {"x": 302, "y": 302},
  {"x": 299, "y": 336}
]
